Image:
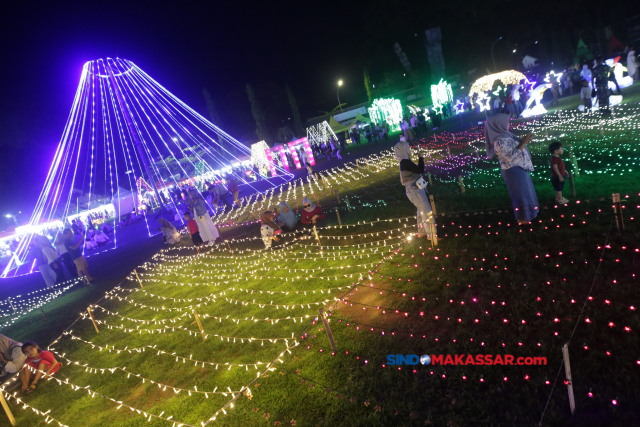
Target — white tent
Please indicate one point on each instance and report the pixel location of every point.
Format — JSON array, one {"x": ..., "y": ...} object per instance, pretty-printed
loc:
[{"x": 124, "y": 202}]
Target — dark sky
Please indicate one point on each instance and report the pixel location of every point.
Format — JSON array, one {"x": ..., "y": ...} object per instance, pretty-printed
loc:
[{"x": 222, "y": 45}]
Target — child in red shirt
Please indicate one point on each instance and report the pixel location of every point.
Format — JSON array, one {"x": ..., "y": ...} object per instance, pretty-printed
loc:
[
  {"x": 42, "y": 362},
  {"x": 558, "y": 172},
  {"x": 192, "y": 225}
]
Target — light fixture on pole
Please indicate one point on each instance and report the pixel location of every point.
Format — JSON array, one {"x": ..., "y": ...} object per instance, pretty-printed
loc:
[
  {"x": 14, "y": 218},
  {"x": 495, "y": 70},
  {"x": 338, "y": 94}
]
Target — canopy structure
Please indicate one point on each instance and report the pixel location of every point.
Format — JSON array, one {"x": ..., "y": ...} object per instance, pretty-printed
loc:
[
  {"x": 359, "y": 119},
  {"x": 124, "y": 126},
  {"x": 582, "y": 53},
  {"x": 336, "y": 127}
]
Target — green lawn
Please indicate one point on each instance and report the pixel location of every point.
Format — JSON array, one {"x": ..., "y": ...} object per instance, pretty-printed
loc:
[{"x": 489, "y": 287}]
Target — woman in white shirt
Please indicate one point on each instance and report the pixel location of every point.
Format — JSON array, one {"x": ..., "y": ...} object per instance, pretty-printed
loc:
[{"x": 515, "y": 162}]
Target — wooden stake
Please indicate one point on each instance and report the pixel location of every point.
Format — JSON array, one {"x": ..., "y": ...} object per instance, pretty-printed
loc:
[
  {"x": 328, "y": 329},
  {"x": 461, "y": 183},
  {"x": 316, "y": 176},
  {"x": 429, "y": 178},
  {"x": 45, "y": 316},
  {"x": 317, "y": 237},
  {"x": 448, "y": 151},
  {"x": 138, "y": 277},
  {"x": 337, "y": 195},
  {"x": 227, "y": 242},
  {"x": 601, "y": 131},
  {"x": 617, "y": 209},
  {"x": 433, "y": 205},
  {"x": 339, "y": 220},
  {"x": 572, "y": 184},
  {"x": 346, "y": 200},
  {"x": 567, "y": 373},
  {"x": 574, "y": 162},
  {"x": 432, "y": 225},
  {"x": 93, "y": 319},
  {"x": 195, "y": 314},
  {"x": 5, "y": 406}
]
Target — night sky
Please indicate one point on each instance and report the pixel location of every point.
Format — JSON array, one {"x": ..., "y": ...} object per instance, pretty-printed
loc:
[{"x": 222, "y": 45}]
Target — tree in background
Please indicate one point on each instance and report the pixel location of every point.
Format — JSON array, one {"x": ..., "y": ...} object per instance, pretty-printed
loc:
[
  {"x": 213, "y": 111},
  {"x": 258, "y": 115},
  {"x": 368, "y": 85},
  {"x": 297, "y": 123}
]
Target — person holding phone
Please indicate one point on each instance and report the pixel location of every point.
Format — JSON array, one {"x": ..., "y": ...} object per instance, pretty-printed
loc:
[
  {"x": 515, "y": 162},
  {"x": 410, "y": 176}
]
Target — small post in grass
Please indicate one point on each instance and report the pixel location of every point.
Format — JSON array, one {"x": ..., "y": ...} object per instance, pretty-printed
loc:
[
  {"x": 429, "y": 178},
  {"x": 93, "y": 319},
  {"x": 461, "y": 183},
  {"x": 574, "y": 162},
  {"x": 5, "y": 406},
  {"x": 432, "y": 226},
  {"x": 44, "y": 315},
  {"x": 617, "y": 209},
  {"x": 572, "y": 184},
  {"x": 569, "y": 380},
  {"x": 195, "y": 314},
  {"x": 346, "y": 200},
  {"x": 227, "y": 242},
  {"x": 318, "y": 238},
  {"x": 433, "y": 205},
  {"x": 546, "y": 132},
  {"x": 601, "y": 130},
  {"x": 138, "y": 277},
  {"x": 338, "y": 215},
  {"x": 328, "y": 329},
  {"x": 337, "y": 195},
  {"x": 448, "y": 151},
  {"x": 11, "y": 304}
]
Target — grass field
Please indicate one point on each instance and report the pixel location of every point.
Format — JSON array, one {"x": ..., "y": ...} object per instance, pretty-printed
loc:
[{"x": 489, "y": 287}]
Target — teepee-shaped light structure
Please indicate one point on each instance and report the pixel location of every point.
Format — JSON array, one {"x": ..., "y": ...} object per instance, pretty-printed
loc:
[{"x": 124, "y": 126}]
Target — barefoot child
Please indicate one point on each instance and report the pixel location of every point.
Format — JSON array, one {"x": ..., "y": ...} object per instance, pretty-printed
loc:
[
  {"x": 558, "y": 173},
  {"x": 192, "y": 225},
  {"x": 40, "y": 362}
]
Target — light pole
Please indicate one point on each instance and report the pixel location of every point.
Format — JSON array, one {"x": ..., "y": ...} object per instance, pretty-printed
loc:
[
  {"x": 495, "y": 70},
  {"x": 338, "y": 94},
  {"x": 14, "y": 218}
]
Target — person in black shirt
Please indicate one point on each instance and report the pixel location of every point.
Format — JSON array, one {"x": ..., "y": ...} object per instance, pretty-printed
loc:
[{"x": 73, "y": 245}]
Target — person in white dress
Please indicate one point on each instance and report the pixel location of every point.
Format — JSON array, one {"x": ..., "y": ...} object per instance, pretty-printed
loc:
[{"x": 208, "y": 230}]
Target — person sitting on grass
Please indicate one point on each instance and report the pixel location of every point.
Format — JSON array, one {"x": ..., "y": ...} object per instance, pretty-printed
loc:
[
  {"x": 170, "y": 234},
  {"x": 11, "y": 356},
  {"x": 558, "y": 173},
  {"x": 311, "y": 214},
  {"x": 269, "y": 229},
  {"x": 192, "y": 225},
  {"x": 39, "y": 364},
  {"x": 287, "y": 217}
]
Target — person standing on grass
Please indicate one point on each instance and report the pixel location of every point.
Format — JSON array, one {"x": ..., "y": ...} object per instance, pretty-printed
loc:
[
  {"x": 632, "y": 68},
  {"x": 51, "y": 255},
  {"x": 40, "y": 364},
  {"x": 192, "y": 225},
  {"x": 601, "y": 83},
  {"x": 558, "y": 173},
  {"x": 232, "y": 185},
  {"x": 410, "y": 175},
  {"x": 311, "y": 214},
  {"x": 11, "y": 356},
  {"x": 65, "y": 256},
  {"x": 515, "y": 162},
  {"x": 208, "y": 230},
  {"x": 585, "y": 95},
  {"x": 269, "y": 229},
  {"x": 73, "y": 245}
]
